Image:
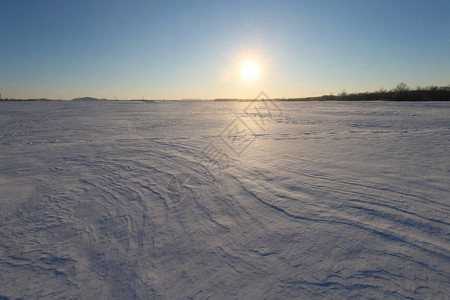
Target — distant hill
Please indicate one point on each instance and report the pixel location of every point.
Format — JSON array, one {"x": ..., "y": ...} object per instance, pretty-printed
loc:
[{"x": 87, "y": 99}]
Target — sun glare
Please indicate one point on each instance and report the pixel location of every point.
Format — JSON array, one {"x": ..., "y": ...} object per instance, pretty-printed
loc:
[
  {"x": 250, "y": 70},
  {"x": 247, "y": 67}
]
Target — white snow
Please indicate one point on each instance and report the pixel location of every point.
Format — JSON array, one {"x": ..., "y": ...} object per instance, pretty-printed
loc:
[{"x": 200, "y": 199}]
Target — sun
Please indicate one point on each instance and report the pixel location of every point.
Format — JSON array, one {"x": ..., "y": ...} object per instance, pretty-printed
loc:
[
  {"x": 247, "y": 67},
  {"x": 250, "y": 70}
]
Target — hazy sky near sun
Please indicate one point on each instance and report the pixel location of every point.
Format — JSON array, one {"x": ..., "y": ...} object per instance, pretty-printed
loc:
[{"x": 193, "y": 49}]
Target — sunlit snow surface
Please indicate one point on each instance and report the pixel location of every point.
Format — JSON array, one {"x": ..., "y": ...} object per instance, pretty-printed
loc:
[{"x": 113, "y": 200}]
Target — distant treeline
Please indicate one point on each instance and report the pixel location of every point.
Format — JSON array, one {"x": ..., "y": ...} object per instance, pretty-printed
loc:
[
  {"x": 400, "y": 93},
  {"x": 13, "y": 99}
]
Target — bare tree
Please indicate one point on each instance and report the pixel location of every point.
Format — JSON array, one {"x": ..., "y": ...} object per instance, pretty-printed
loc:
[{"x": 401, "y": 87}]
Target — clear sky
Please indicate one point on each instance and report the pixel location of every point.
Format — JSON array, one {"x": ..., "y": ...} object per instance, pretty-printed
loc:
[{"x": 196, "y": 49}]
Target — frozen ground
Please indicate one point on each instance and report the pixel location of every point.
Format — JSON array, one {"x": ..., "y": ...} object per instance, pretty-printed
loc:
[{"x": 174, "y": 200}]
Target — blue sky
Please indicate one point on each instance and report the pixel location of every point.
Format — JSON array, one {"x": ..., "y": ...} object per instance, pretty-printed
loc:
[{"x": 192, "y": 49}]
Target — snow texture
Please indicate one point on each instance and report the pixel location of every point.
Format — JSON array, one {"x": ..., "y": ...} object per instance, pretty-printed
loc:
[{"x": 224, "y": 200}]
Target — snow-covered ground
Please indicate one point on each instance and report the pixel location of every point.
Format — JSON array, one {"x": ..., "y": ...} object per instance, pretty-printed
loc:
[{"x": 222, "y": 200}]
